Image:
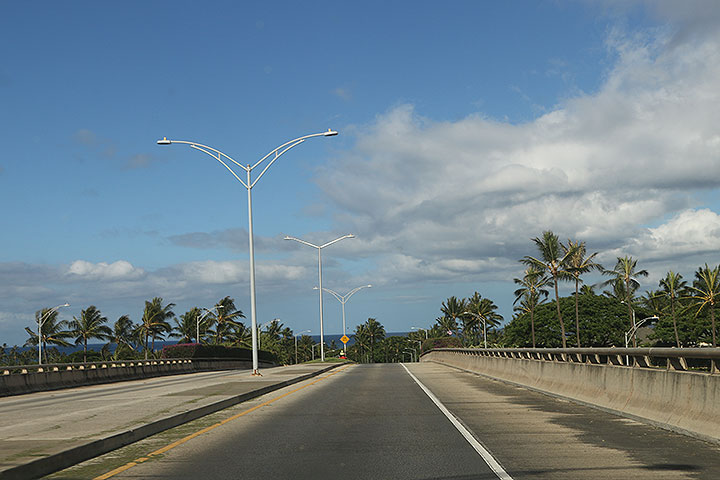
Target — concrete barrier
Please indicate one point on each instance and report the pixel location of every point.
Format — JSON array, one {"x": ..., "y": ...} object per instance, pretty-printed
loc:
[
  {"x": 682, "y": 401},
  {"x": 54, "y": 377}
]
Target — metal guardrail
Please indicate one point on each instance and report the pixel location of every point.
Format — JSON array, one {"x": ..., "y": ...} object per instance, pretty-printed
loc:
[{"x": 681, "y": 359}]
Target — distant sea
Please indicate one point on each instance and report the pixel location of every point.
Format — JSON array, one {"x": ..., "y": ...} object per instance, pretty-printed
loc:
[{"x": 160, "y": 344}]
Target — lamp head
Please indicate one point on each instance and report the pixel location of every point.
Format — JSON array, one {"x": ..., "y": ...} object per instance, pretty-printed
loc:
[
  {"x": 330, "y": 133},
  {"x": 164, "y": 141}
]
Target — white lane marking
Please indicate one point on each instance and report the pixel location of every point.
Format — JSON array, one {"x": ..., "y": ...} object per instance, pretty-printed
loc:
[{"x": 482, "y": 451}]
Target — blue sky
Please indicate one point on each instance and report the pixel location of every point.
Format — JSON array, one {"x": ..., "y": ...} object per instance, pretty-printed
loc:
[{"x": 466, "y": 129}]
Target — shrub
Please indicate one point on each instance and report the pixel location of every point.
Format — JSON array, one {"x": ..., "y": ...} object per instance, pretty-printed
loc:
[
  {"x": 441, "y": 342},
  {"x": 196, "y": 350}
]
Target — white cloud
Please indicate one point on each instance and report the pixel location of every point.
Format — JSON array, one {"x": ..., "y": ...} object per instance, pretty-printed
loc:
[
  {"x": 116, "y": 271},
  {"x": 437, "y": 198}
]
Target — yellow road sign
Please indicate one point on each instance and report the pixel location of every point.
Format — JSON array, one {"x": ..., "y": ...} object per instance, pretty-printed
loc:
[{"x": 344, "y": 339}]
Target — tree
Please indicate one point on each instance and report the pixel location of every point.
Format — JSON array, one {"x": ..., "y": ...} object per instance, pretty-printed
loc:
[
  {"x": 483, "y": 310},
  {"x": 154, "y": 321},
  {"x": 532, "y": 293},
  {"x": 625, "y": 281},
  {"x": 578, "y": 264},
  {"x": 91, "y": 324},
  {"x": 186, "y": 328},
  {"x": 602, "y": 323},
  {"x": 673, "y": 287},
  {"x": 375, "y": 332},
  {"x": 453, "y": 308},
  {"x": 554, "y": 262},
  {"x": 122, "y": 332},
  {"x": 225, "y": 319},
  {"x": 52, "y": 331},
  {"x": 704, "y": 292}
]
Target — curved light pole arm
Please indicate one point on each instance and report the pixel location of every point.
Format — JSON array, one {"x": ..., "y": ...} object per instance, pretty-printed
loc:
[
  {"x": 350, "y": 235},
  {"x": 339, "y": 297},
  {"x": 291, "y": 144},
  {"x": 301, "y": 241},
  {"x": 355, "y": 290}
]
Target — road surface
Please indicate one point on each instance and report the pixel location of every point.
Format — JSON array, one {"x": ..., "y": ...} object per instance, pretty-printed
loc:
[{"x": 378, "y": 422}]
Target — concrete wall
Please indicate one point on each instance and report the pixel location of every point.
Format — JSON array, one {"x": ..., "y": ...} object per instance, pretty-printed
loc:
[
  {"x": 108, "y": 372},
  {"x": 686, "y": 402}
]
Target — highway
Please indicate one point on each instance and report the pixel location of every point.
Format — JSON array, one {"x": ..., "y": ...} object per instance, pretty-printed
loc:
[{"x": 377, "y": 421}]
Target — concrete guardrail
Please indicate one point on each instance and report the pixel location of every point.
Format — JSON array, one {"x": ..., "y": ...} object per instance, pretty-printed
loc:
[
  {"x": 673, "y": 388},
  {"x": 21, "y": 379}
]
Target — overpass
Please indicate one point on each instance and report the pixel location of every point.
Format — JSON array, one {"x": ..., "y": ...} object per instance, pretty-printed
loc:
[{"x": 421, "y": 420}]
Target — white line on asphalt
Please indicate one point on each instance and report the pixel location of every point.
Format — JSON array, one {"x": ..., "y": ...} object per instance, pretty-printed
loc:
[{"x": 482, "y": 451}]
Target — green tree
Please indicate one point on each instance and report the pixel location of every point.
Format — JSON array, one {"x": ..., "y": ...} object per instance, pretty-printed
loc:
[
  {"x": 625, "y": 281},
  {"x": 554, "y": 262},
  {"x": 673, "y": 288},
  {"x": 225, "y": 320},
  {"x": 375, "y": 332},
  {"x": 482, "y": 310},
  {"x": 705, "y": 292},
  {"x": 53, "y": 332},
  {"x": 602, "y": 323},
  {"x": 453, "y": 308},
  {"x": 186, "y": 327},
  {"x": 91, "y": 324},
  {"x": 155, "y": 321},
  {"x": 531, "y": 294},
  {"x": 578, "y": 264}
]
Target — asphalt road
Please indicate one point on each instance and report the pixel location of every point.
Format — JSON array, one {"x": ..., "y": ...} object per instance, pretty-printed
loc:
[{"x": 376, "y": 422}]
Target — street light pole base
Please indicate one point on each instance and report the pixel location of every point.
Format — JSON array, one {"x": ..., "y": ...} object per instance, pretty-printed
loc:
[{"x": 256, "y": 373}]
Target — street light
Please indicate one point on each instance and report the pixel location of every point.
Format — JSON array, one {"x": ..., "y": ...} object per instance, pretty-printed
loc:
[
  {"x": 249, "y": 184},
  {"x": 343, "y": 299},
  {"x": 200, "y": 317},
  {"x": 484, "y": 322},
  {"x": 319, "y": 249},
  {"x": 40, "y": 322},
  {"x": 634, "y": 330},
  {"x": 296, "y": 335}
]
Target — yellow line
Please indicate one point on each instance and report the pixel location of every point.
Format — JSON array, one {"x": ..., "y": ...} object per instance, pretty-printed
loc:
[{"x": 164, "y": 449}]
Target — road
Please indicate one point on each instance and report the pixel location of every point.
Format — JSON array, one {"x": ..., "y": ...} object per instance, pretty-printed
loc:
[{"x": 376, "y": 421}]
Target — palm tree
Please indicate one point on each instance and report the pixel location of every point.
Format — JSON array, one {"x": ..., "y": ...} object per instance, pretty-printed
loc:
[
  {"x": 705, "y": 291},
  {"x": 186, "y": 328},
  {"x": 225, "y": 318},
  {"x": 123, "y": 332},
  {"x": 554, "y": 262},
  {"x": 484, "y": 310},
  {"x": 154, "y": 320},
  {"x": 91, "y": 324},
  {"x": 673, "y": 287},
  {"x": 533, "y": 294},
  {"x": 625, "y": 282},
  {"x": 239, "y": 336},
  {"x": 453, "y": 308},
  {"x": 375, "y": 332},
  {"x": 52, "y": 331},
  {"x": 578, "y": 264},
  {"x": 443, "y": 327},
  {"x": 361, "y": 340}
]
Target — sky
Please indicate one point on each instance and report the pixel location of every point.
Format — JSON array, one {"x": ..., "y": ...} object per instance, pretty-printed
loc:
[{"x": 465, "y": 130}]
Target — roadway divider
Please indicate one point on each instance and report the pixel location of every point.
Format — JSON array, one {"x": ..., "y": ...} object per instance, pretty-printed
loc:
[
  {"x": 621, "y": 381},
  {"x": 23, "y": 379},
  {"x": 80, "y": 453}
]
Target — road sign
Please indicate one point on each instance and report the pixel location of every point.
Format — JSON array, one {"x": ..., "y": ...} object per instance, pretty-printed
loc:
[{"x": 344, "y": 339}]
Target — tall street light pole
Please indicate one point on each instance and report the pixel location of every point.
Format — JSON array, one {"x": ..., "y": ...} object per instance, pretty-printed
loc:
[
  {"x": 320, "y": 289},
  {"x": 249, "y": 184},
  {"x": 343, "y": 299},
  {"x": 40, "y": 322}
]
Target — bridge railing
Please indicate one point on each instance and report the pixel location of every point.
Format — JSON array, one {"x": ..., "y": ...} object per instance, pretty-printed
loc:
[
  {"x": 681, "y": 359},
  {"x": 62, "y": 367}
]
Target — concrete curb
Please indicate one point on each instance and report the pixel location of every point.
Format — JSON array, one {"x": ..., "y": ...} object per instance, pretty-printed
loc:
[{"x": 59, "y": 461}]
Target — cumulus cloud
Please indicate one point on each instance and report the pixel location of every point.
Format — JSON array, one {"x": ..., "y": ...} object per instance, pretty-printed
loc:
[
  {"x": 443, "y": 197},
  {"x": 116, "y": 271}
]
